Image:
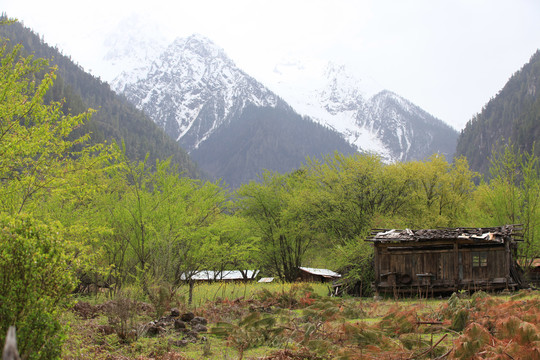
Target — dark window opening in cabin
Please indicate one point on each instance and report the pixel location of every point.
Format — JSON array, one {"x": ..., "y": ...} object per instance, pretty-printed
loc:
[{"x": 479, "y": 259}]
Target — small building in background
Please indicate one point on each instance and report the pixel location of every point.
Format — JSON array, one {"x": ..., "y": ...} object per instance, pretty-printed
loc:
[
  {"x": 445, "y": 260},
  {"x": 225, "y": 275},
  {"x": 317, "y": 275},
  {"x": 266, "y": 280}
]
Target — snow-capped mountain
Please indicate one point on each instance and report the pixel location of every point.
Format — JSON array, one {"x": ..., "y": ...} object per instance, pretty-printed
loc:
[
  {"x": 131, "y": 53},
  {"x": 192, "y": 89},
  {"x": 231, "y": 124},
  {"x": 198, "y": 94},
  {"x": 369, "y": 117}
]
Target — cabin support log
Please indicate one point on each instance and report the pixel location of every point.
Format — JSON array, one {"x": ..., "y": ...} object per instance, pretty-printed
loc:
[
  {"x": 508, "y": 259},
  {"x": 456, "y": 265},
  {"x": 377, "y": 269}
]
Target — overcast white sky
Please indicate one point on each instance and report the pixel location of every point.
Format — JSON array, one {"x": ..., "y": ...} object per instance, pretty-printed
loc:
[{"x": 448, "y": 57}]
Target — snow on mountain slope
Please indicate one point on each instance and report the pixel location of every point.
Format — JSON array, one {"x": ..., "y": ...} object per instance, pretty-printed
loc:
[
  {"x": 132, "y": 48},
  {"x": 372, "y": 119},
  {"x": 192, "y": 89}
]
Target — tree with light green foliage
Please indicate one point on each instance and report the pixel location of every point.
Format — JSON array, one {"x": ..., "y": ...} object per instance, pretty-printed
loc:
[
  {"x": 42, "y": 163},
  {"x": 164, "y": 226},
  {"x": 354, "y": 194},
  {"x": 276, "y": 210},
  {"x": 36, "y": 278},
  {"x": 439, "y": 193},
  {"x": 37, "y": 153},
  {"x": 353, "y": 191},
  {"x": 512, "y": 196}
]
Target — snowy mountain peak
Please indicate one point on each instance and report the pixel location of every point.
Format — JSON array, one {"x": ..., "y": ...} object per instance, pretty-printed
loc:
[
  {"x": 341, "y": 92},
  {"x": 200, "y": 45},
  {"x": 132, "y": 48},
  {"x": 369, "y": 117},
  {"x": 193, "y": 88}
]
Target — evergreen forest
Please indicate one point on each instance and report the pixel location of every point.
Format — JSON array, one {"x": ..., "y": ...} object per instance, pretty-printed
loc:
[{"x": 511, "y": 117}]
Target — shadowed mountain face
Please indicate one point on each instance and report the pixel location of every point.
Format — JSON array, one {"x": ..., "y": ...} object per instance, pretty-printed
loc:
[{"x": 513, "y": 115}]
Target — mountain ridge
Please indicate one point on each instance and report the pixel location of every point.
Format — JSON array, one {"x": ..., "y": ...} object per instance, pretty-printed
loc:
[
  {"x": 511, "y": 116},
  {"x": 383, "y": 123},
  {"x": 116, "y": 118},
  {"x": 194, "y": 91},
  {"x": 370, "y": 117}
]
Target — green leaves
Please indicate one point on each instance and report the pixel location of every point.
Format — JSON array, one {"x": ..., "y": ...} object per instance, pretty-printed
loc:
[
  {"x": 37, "y": 154},
  {"x": 513, "y": 196},
  {"x": 36, "y": 278},
  {"x": 277, "y": 211}
]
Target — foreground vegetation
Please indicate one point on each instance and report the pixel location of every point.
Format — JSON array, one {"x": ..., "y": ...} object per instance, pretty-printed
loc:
[
  {"x": 76, "y": 216},
  {"x": 287, "y": 321}
]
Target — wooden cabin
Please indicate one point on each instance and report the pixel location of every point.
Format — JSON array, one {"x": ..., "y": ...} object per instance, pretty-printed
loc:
[{"x": 445, "y": 260}]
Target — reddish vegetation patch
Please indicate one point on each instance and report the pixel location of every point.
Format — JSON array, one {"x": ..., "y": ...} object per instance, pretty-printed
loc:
[
  {"x": 501, "y": 330},
  {"x": 303, "y": 326}
]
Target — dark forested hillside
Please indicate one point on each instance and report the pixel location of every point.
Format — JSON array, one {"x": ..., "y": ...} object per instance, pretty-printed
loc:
[
  {"x": 116, "y": 119},
  {"x": 269, "y": 138},
  {"x": 511, "y": 116}
]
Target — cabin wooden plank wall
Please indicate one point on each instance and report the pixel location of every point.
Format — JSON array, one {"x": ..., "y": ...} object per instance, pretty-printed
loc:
[{"x": 444, "y": 260}]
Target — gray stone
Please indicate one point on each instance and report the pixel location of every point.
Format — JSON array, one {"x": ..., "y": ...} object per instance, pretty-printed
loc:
[
  {"x": 179, "y": 324},
  {"x": 198, "y": 320},
  {"x": 199, "y": 328},
  {"x": 187, "y": 317}
]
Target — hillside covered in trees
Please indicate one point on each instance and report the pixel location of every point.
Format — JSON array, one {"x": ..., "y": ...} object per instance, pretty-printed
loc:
[
  {"x": 266, "y": 138},
  {"x": 115, "y": 118},
  {"x": 512, "y": 116}
]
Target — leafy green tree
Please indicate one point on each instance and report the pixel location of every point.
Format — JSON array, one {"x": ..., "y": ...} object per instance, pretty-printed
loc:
[
  {"x": 354, "y": 194},
  {"x": 234, "y": 245},
  {"x": 195, "y": 243},
  {"x": 163, "y": 224},
  {"x": 36, "y": 153},
  {"x": 36, "y": 279},
  {"x": 353, "y": 191},
  {"x": 512, "y": 196},
  {"x": 39, "y": 157},
  {"x": 279, "y": 222},
  {"x": 439, "y": 192}
]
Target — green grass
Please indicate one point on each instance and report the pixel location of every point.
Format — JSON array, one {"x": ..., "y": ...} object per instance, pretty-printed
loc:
[{"x": 204, "y": 292}]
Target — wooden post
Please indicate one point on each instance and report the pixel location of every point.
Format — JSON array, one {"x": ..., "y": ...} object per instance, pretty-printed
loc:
[
  {"x": 376, "y": 259},
  {"x": 456, "y": 265},
  {"x": 508, "y": 260}
]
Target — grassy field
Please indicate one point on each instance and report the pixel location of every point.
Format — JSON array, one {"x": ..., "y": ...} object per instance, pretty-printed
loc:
[{"x": 299, "y": 321}]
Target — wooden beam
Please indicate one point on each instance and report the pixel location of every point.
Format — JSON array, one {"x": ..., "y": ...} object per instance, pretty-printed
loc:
[
  {"x": 456, "y": 265},
  {"x": 508, "y": 259}
]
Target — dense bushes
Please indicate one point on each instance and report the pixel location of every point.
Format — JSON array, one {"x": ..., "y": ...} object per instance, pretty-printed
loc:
[{"x": 35, "y": 281}]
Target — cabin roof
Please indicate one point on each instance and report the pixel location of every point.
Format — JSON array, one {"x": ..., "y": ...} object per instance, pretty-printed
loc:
[
  {"x": 320, "y": 272},
  {"x": 487, "y": 234}
]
